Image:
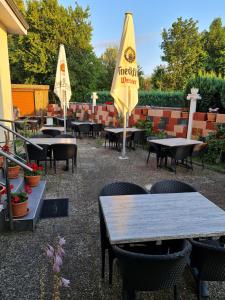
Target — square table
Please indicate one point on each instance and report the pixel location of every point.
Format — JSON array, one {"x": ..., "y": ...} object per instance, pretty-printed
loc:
[
  {"x": 157, "y": 217},
  {"x": 52, "y": 141},
  {"x": 175, "y": 142},
  {"x": 82, "y": 122},
  {"x": 53, "y": 128},
  {"x": 120, "y": 130}
]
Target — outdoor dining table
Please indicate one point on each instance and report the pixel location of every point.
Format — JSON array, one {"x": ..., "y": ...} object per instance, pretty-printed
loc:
[
  {"x": 30, "y": 121},
  {"x": 175, "y": 142},
  {"x": 120, "y": 130},
  {"x": 52, "y": 141},
  {"x": 82, "y": 122},
  {"x": 53, "y": 128},
  {"x": 157, "y": 217}
]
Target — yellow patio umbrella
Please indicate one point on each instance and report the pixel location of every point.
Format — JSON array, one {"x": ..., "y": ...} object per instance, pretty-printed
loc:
[{"x": 125, "y": 83}]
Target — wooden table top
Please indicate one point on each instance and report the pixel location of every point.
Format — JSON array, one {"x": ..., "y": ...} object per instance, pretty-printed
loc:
[
  {"x": 52, "y": 141},
  {"x": 154, "y": 217},
  {"x": 175, "y": 142},
  {"x": 119, "y": 130},
  {"x": 52, "y": 128}
]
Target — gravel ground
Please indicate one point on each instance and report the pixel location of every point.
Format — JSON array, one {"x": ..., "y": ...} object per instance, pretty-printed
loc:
[{"x": 24, "y": 269}]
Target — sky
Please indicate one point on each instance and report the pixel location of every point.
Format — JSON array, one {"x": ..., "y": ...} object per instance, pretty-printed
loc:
[{"x": 150, "y": 17}]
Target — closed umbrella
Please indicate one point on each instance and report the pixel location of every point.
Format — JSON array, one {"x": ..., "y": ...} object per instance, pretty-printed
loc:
[
  {"x": 125, "y": 83},
  {"x": 62, "y": 82}
]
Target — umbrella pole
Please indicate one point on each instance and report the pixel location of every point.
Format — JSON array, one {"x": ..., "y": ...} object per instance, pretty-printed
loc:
[
  {"x": 64, "y": 116},
  {"x": 123, "y": 156}
]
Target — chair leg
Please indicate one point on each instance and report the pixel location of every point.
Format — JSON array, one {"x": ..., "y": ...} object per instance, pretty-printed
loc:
[
  {"x": 199, "y": 291},
  {"x": 72, "y": 165},
  {"x": 128, "y": 295},
  {"x": 55, "y": 166},
  {"x": 175, "y": 293},
  {"x": 103, "y": 262},
  {"x": 110, "y": 266},
  {"x": 149, "y": 152},
  {"x": 45, "y": 167}
]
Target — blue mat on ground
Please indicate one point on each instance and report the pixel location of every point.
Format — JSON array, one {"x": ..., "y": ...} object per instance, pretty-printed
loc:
[{"x": 54, "y": 208}]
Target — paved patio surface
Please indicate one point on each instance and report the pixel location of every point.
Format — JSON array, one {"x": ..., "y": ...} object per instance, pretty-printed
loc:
[{"x": 23, "y": 266}]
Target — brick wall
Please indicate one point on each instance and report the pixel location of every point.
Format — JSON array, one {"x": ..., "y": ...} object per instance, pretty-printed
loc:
[{"x": 173, "y": 121}]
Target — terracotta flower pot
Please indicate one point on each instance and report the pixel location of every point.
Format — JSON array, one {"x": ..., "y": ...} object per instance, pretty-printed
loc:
[
  {"x": 211, "y": 117},
  {"x": 32, "y": 180},
  {"x": 13, "y": 172},
  {"x": 1, "y": 161},
  {"x": 20, "y": 209}
]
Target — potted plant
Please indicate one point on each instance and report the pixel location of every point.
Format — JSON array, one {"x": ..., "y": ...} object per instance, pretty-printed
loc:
[
  {"x": 13, "y": 170},
  {"x": 19, "y": 202},
  {"x": 32, "y": 178}
]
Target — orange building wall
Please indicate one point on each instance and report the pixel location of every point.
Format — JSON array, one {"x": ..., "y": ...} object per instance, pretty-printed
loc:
[{"x": 24, "y": 100}]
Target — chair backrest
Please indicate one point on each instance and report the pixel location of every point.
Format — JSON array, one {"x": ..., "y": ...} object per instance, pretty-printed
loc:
[
  {"x": 37, "y": 154},
  {"x": 41, "y": 136},
  {"x": 144, "y": 272},
  {"x": 122, "y": 188},
  {"x": 200, "y": 148},
  {"x": 139, "y": 136},
  {"x": 84, "y": 128},
  {"x": 182, "y": 152},
  {"x": 64, "y": 151},
  {"x": 65, "y": 135},
  {"x": 171, "y": 186},
  {"x": 52, "y": 132},
  {"x": 97, "y": 127},
  {"x": 209, "y": 260}
]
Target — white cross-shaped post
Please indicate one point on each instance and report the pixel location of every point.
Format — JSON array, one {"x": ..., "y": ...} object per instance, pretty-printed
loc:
[
  {"x": 193, "y": 97},
  {"x": 94, "y": 98}
]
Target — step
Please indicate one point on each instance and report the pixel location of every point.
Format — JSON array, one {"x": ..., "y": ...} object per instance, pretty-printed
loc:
[{"x": 35, "y": 204}]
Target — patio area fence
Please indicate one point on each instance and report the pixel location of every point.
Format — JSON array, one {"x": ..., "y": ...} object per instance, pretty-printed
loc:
[{"x": 174, "y": 121}]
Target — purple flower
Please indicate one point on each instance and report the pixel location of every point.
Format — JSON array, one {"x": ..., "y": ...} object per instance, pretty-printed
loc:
[
  {"x": 62, "y": 241},
  {"x": 61, "y": 251},
  {"x": 65, "y": 282},
  {"x": 50, "y": 251},
  {"x": 56, "y": 268},
  {"x": 58, "y": 260}
]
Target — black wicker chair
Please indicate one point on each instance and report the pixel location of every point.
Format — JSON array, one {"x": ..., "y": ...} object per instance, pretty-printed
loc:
[
  {"x": 76, "y": 130},
  {"x": 84, "y": 129},
  {"x": 64, "y": 152},
  {"x": 149, "y": 272},
  {"x": 199, "y": 151},
  {"x": 180, "y": 155},
  {"x": 138, "y": 138},
  {"x": 41, "y": 136},
  {"x": 160, "y": 153},
  {"x": 207, "y": 262},
  {"x": 114, "y": 189},
  {"x": 52, "y": 132},
  {"x": 171, "y": 186},
  {"x": 96, "y": 129},
  {"x": 64, "y": 135},
  {"x": 38, "y": 155}
]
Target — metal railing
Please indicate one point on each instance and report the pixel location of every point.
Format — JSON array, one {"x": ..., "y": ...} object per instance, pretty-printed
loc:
[{"x": 9, "y": 157}]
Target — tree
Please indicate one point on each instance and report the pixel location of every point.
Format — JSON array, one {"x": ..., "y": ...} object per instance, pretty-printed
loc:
[
  {"x": 215, "y": 47},
  {"x": 108, "y": 59},
  {"x": 183, "y": 51},
  {"x": 33, "y": 58}
]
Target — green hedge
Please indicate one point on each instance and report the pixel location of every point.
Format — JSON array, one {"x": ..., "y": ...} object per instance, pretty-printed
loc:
[
  {"x": 153, "y": 98},
  {"x": 212, "y": 91}
]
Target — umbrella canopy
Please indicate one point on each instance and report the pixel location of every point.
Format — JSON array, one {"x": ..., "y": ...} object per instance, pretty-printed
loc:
[
  {"x": 125, "y": 83},
  {"x": 62, "y": 81}
]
